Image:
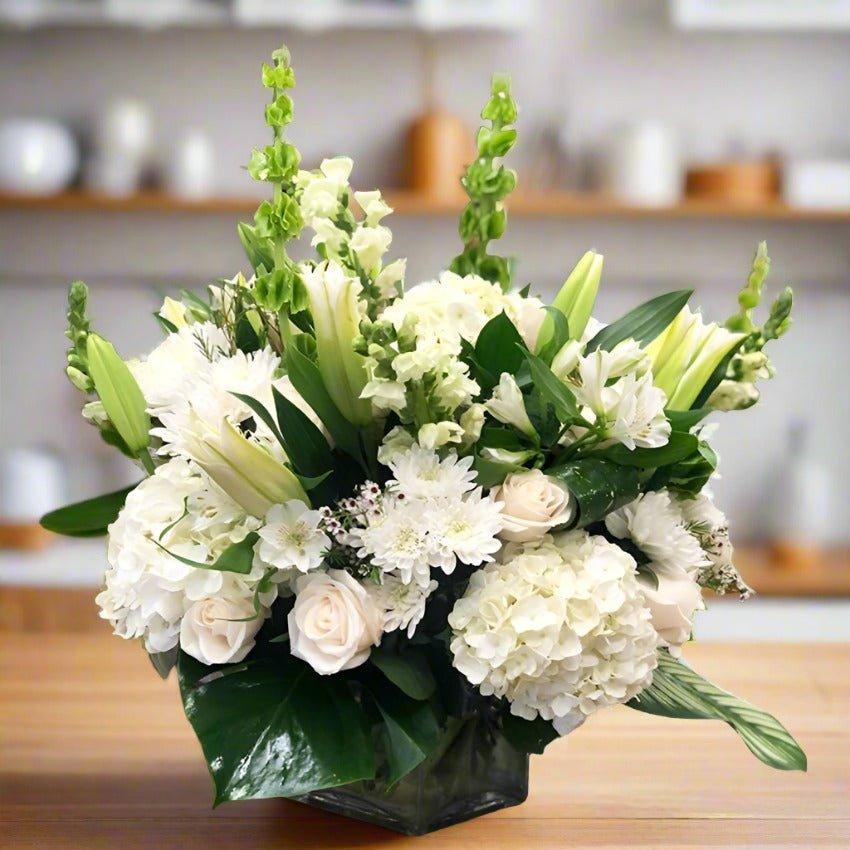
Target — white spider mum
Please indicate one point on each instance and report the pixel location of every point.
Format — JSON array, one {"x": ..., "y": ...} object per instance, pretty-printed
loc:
[
  {"x": 465, "y": 530},
  {"x": 292, "y": 537},
  {"x": 420, "y": 474},
  {"x": 403, "y": 604},
  {"x": 655, "y": 524}
]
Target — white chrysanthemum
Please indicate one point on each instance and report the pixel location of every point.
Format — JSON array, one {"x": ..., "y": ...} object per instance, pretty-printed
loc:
[
  {"x": 403, "y": 604},
  {"x": 420, "y": 473},
  {"x": 465, "y": 530},
  {"x": 559, "y": 628},
  {"x": 291, "y": 537},
  {"x": 655, "y": 524},
  {"x": 146, "y": 590}
]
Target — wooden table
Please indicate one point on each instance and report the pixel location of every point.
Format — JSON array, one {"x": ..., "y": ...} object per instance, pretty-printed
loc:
[{"x": 95, "y": 753}]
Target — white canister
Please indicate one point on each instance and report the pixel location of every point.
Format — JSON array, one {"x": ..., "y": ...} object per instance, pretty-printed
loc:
[
  {"x": 32, "y": 482},
  {"x": 642, "y": 164},
  {"x": 37, "y": 156},
  {"x": 190, "y": 171}
]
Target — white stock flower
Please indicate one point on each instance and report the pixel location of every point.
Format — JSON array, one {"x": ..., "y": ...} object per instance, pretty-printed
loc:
[
  {"x": 507, "y": 405},
  {"x": 559, "y": 628},
  {"x": 673, "y": 604},
  {"x": 291, "y": 537},
  {"x": 147, "y": 591},
  {"x": 532, "y": 505},
  {"x": 654, "y": 523},
  {"x": 403, "y": 604},
  {"x": 334, "y": 623},
  {"x": 220, "y": 631}
]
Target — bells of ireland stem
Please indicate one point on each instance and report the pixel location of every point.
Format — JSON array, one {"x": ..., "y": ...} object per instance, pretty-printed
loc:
[
  {"x": 334, "y": 306},
  {"x": 685, "y": 355},
  {"x": 245, "y": 470},
  {"x": 576, "y": 297}
]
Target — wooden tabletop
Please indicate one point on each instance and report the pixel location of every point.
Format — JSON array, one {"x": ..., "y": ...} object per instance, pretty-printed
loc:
[{"x": 95, "y": 753}]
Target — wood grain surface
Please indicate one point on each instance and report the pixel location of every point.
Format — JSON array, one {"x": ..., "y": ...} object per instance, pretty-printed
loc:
[{"x": 95, "y": 753}]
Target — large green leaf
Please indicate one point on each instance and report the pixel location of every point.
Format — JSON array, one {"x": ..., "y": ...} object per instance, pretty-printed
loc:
[
  {"x": 598, "y": 485},
  {"x": 307, "y": 379},
  {"x": 408, "y": 670},
  {"x": 88, "y": 518},
  {"x": 236, "y": 558},
  {"x": 688, "y": 475},
  {"x": 306, "y": 445},
  {"x": 528, "y": 736},
  {"x": 410, "y": 729},
  {"x": 499, "y": 346},
  {"x": 275, "y": 728},
  {"x": 677, "y": 691},
  {"x": 560, "y": 335},
  {"x": 684, "y": 420},
  {"x": 642, "y": 324},
  {"x": 678, "y": 447},
  {"x": 552, "y": 390}
]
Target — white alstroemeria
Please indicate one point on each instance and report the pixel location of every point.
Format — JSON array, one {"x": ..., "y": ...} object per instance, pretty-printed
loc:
[
  {"x": 627, "y": 357},
  {"x": 565, "y": 361},
  {"x": 173, "y": 312},
  {"x": 292, "y": 537},
  {"x": 389, "y": 278},
  {"x": 373, "y": 205},
  {"x": 637, "y": 416},
  {"x": 654, "y": 523},
  {"x": 420, "y": 473},
  {"x": 434, "y": 435},
  {"x": 369, "y": 244},
  {"x": 336, "y": 313},
  {"x": 508, "y": 407},
  {"x": 403, "y": 604}
]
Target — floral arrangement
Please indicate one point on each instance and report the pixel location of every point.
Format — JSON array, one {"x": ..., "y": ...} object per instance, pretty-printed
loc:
[{"x": 372, "y": 512}]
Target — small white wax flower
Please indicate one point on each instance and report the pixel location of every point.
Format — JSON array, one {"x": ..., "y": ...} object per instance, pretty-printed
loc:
[
  {"x": 334, "y": 623},
  {"x": 220, "y": 631},
  {"x": 291, "y": 537}
]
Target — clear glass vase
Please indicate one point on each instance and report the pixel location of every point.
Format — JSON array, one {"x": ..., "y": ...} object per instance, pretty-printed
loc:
[{"x": 473, "y": 771}]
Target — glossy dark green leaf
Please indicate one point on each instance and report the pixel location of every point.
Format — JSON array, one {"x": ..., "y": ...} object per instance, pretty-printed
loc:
[
  {"x": 528, "y": 736},
  {"x": 553, "y": 390},
  {"x": 679, "y": 446},
  {"x": 88, "y": 518},
  {"x": 491, "y": 473},
  {"x": 678, "y": 691},
  {"x": 499, "y": 346},
  {"x": 560, "y": 335},
  {"x": 236, "y": 558},
  {"x": 410, "y": 729},
  {"x": 304, "y": 442},
  {"x": 275, "y": 728},
  {"x": 684, "y": 420},
  {"x": 306, "y": 378},
  {"x": 689, "y": 475},
  {"x": 642, "y": 324},
  {"x": 408, "y": 670},
  {"x": 164, "y": 662},
  {"x": 598, "y": 485}
]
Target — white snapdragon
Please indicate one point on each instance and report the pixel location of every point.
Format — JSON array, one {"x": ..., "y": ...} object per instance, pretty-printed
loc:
[
  {"x": 291, "y": 537},
  {"x": 559, "y": 628},
  {"x": 369, "y": 244}
]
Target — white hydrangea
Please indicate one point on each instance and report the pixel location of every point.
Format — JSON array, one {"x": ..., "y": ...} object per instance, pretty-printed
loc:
[
  {"x": 654, "y": 522},
  {"x": 146, "y": 590},
  {"x": 559, "y": 628},
  {"x": 403, "y": 604}
]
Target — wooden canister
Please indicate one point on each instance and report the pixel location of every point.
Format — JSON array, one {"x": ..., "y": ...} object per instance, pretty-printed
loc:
[
  {"x": 744, "y": 182},
  {"x": 439, "y": 149}
]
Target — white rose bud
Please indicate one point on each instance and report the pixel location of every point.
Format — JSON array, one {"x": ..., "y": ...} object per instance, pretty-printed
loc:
[
  {"x": 334, "y": 623},
  {"x": 210, "y": 632},
  {"x": 533, "y": 504},
  {"x": 673, "y": 605}
]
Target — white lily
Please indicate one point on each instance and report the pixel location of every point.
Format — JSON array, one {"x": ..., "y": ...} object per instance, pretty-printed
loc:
[{"x": 507, "y": 406}]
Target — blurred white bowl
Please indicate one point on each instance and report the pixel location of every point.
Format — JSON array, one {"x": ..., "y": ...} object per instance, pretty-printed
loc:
[
  {"x": 37, "y": 156},
  {"x": 817, "y": 183}
]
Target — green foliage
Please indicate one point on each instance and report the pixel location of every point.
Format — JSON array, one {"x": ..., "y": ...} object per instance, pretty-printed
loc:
[
  {"x": 275, "y": 728},
  {"x": 407, "y": 669},
  {"x": 499, "y": 348},
  {"x": 528, "y": 736},
  {"x": 164, "y": 662},
  {"x": 680, "y": 446},
  {"x": 598, "y": 485},
  {"x": 677, "y": 691},
  {"x": 553, "y": 391},
  {"x": 88, "y": 518},
  {"x": 643, "y": 323},
  {"x": 750, "y": 296},
  {"x": 236, "y": 558},
  {"x": 690, "y": 474},
  {"x": 487, "y": 183}
]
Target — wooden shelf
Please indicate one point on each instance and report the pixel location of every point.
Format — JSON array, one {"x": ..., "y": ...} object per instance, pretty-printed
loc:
[{"x": 404, "y": 202}]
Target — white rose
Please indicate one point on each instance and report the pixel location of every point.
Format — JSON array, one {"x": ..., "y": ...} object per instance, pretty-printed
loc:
[
  {"x": 534, "y": 504},
  {"x": 210, "y": 631},
  {"x": 673, "y": 605},
  {"x": 334, "y": 623}
]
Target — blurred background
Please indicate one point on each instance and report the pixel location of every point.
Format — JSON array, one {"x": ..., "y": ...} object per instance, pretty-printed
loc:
[{"x": 670, "y": 136}]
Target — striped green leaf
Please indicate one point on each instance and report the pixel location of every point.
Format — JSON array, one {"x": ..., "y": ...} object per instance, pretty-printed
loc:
[{"x": 677, "y": 691}]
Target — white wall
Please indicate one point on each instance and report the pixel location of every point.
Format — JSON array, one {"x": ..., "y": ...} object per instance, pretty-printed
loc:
[{"x": 595, "y": 62}]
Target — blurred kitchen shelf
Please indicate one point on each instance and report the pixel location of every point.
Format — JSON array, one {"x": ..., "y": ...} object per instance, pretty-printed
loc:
[
  {"x": 315, "y": 16},
  {"x": 529, "y": 204}
]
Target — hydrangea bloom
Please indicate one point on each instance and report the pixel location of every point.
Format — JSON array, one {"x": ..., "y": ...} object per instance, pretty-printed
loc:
[{"x": 559, "y": 627}]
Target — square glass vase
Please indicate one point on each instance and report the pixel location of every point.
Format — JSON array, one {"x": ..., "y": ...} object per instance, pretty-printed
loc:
[{"x": 474, "y": 771}]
